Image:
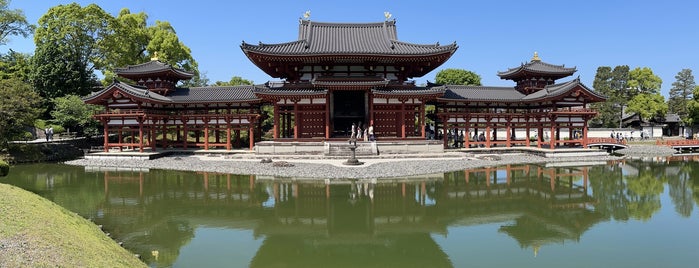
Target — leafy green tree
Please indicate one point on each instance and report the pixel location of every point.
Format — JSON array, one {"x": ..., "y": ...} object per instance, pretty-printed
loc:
[
  {"x": 198, "y": 80},
  {"x": 135, "y": 42},
  {"x": 615, "y": 84},
  {"x": 68, "y": 40},
  {"x": 170, "y": 49},
  {"x": 235, "y": 81},
  {"x": 71, "y": 113},
  {"x": 693, "y": 107},
  {"x": 12, "y": 22},
  {"x": 457, "y": 77},
  {"x": 128, "y": 44},
  {"x": 15, "y": 65},
  {"x": 681, "y": 93},
  {"x": 602, "y": 84},
  {"x": 643, "y": 80},
  {"x": 19, "y": 107},
  {"x": 648, "y": 105}
]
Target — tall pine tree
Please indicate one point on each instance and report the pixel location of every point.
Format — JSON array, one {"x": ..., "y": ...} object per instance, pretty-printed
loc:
[{"x": 681, "y": 93}]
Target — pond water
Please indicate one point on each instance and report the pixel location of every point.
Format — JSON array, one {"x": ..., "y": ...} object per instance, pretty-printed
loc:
[{"x": 619, "y": 214}]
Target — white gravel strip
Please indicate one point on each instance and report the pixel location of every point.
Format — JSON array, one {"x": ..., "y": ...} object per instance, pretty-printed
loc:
[{"x": 372, "y": 167}]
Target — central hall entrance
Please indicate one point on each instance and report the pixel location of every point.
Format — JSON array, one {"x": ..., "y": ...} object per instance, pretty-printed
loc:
[{"x": 348, "y": 107}]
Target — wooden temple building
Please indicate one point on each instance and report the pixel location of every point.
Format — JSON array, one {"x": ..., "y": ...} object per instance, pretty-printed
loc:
[{"x": 336, "y": 75}]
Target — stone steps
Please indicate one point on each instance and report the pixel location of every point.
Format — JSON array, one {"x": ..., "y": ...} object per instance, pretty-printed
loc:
[{"x": 344, "y": 149}]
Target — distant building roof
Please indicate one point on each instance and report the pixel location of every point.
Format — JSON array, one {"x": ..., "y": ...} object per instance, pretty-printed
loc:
[
  {"x": 152, "y": 67},
  {"x": 536, "y": 67}
]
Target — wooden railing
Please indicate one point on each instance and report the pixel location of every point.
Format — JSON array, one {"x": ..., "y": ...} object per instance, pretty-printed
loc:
[
  {"x": 677, "y": 142},
  {"x": 606, "y": 140}
]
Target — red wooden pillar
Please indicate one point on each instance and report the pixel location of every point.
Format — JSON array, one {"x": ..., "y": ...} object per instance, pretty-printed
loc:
[
  {"x": 185, "y": 123},
  {"x": 402, "y": 119},
  {"x": 152, "y": 130},
  {"x": 528, "y": 129},
  {"x": 228, "y": 134},
  {"x": 105, "y": 123},
  {"x": 275, "y": 134},
  {"x": 327, "y": 117},
  {"x": 206, "y": 133},
  {"x": 444, "y": 131},
  {"x": 251, "y": 135},
  {"x": 467, "y": 135},
  {"x": 421, "y": 119},
  {"x": 554, "y": 135},
  {"x": 508, "y": 135},
  {"x": 140, "y": 134},
  {"x": 584, "y": 133},
  {"x": 487, "y": 134},
  {"x": 164, "y": 130},
  {"x": 296, "y": 120},
  {"x": 120, "y": 136}
]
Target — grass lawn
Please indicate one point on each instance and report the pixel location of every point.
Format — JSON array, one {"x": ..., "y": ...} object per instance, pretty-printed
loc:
[{"x": 35, "y": 232}]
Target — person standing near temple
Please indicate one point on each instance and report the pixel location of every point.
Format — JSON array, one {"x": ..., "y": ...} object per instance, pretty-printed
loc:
[
  {"x": 50, "y": 132},
  {"x": 366, "y": 133},
  {"x": 371, "y": 133}
]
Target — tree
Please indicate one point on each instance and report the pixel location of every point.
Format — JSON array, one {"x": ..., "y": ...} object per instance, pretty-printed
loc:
[
  {"x": 68, "y": 52},
  {"x": 71, "y": 113},
  {"x": 19, "y": 107},
  {"x": 457, "y": 77},
  {"x": 648, "y": 105},
  {"x": 12, "y": 22},
  {"x": 681, "y": 93},
  {"x": 643, "y": 80},
  {"x": 693, "y": 108},
  {"x": 134, "y": 42},
  {"x": 613, "y": 83},
  {"x": 235, "y": 81},
  {"x": 15, "y": 65}
]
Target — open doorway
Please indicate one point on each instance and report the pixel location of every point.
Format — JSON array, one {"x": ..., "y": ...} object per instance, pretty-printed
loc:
[{"x": 348, "y": 107}]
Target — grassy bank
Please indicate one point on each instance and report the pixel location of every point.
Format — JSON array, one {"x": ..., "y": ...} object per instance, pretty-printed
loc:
[{"x": 35, "y": 232}]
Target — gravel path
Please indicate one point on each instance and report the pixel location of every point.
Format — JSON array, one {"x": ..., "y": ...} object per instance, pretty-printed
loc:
[{"x": 373, "y": 168}]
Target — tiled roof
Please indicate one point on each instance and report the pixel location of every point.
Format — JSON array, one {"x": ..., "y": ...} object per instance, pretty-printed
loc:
[
  {"x": 286, "y": 91},
  {"x": 481, "y": 93},
  {"x": 510, "y": 94},
  {"x": 136, "y": 91},
  {"x": 320, "y": 38},
  {"x": 537, "y": 67},
  {"x": 409, "y": 91},
  {"x": 154, "y": 66},
  {"x": 214, "y": 94},
  {"x": 559, "y": 89},
  {"x": 355, "y": 81},
  {"x": 672, "y": 118}
]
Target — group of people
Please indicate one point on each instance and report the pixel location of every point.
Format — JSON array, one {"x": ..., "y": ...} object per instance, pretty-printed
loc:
[
  {"x": 362, "y": 132},
  {"x": 619, "y": 136},
  {"x": 48, "y": 132}
]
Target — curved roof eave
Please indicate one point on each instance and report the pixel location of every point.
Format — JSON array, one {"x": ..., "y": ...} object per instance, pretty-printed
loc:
[{"x": 141, "y": 94}]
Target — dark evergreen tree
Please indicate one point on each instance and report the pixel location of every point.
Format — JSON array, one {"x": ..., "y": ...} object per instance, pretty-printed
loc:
[{"x": 681, "y": 93}]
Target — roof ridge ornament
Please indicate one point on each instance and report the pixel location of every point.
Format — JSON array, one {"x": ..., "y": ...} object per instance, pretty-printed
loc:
[
  {"x": 307, "y": 15},
  {"x": 536, "y": 56},
  {"x": 387, "y": 15},
  {"x": 155, "y": 56}
]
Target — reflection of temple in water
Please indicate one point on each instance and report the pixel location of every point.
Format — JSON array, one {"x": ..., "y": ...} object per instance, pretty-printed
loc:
[{"x": 311, "y": 222}]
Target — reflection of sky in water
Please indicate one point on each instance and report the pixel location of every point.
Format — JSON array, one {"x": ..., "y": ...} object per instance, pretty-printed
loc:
[
  {"x": 269, "y": 203},
  {"x": 218, "y": 247}
]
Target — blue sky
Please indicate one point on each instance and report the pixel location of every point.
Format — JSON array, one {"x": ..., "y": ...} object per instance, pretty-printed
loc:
[{"x": 492, "y": 35}]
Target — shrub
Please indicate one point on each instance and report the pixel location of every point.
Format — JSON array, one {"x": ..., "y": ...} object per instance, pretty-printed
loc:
[{"x": 4, "y": 168}]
